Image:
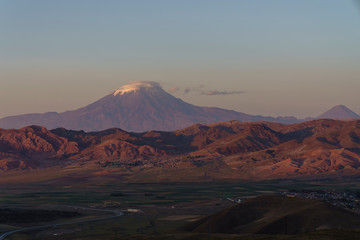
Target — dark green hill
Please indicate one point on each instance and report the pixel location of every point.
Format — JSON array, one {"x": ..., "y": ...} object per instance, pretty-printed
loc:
[{"x": 276, "y": 215}]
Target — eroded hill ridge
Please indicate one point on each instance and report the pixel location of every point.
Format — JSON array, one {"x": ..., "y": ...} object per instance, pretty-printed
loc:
[{"x": 232, "y": 149}]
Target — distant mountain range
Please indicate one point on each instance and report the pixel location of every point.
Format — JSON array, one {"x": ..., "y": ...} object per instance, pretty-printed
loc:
[
  {"x": 227, "y": 150},
  {"x": 145, "y": 106}
]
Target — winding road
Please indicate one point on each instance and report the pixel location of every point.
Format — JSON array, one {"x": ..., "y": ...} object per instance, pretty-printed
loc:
[{"x": 116, "y": 215}]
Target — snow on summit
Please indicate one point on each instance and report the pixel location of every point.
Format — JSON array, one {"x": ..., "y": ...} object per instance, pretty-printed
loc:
[
  {"x": 136, "y": 85},
  {"x": 136, "y": 107}
]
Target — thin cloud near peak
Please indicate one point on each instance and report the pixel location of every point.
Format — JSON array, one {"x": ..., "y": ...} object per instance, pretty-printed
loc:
[
  {"x": 217, "y": 92},
  {"x": 174, "y": 90},
  {"x": 201, "y": 89}
]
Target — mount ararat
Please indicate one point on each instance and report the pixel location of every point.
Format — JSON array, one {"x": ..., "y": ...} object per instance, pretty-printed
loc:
[{"x": 140, "y": 107}]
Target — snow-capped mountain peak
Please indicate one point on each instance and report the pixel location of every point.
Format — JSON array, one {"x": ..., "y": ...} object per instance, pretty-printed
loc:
[
  {"x": 135, "y": 86},
  {"x": 138, "y": 107}
]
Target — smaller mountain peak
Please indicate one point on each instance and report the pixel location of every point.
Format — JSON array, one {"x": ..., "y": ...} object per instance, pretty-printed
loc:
[
  {"x": 339, "y": 112},
  {"x": 340, "y": 106},
  {"x": 135, "y": 86}
]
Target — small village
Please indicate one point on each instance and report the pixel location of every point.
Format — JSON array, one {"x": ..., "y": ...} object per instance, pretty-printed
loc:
[{"x": 348, "y": 199}]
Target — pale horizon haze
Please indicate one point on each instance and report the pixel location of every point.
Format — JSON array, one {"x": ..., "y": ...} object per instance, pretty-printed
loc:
[{"x": 260, "y": 57}]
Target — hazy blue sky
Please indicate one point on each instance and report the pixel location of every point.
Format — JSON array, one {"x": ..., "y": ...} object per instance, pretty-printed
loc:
[{"x": 286, "y": 57}]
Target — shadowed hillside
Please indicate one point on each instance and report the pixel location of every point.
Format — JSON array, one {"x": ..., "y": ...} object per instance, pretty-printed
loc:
[{"x": 276, "y": 215}]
